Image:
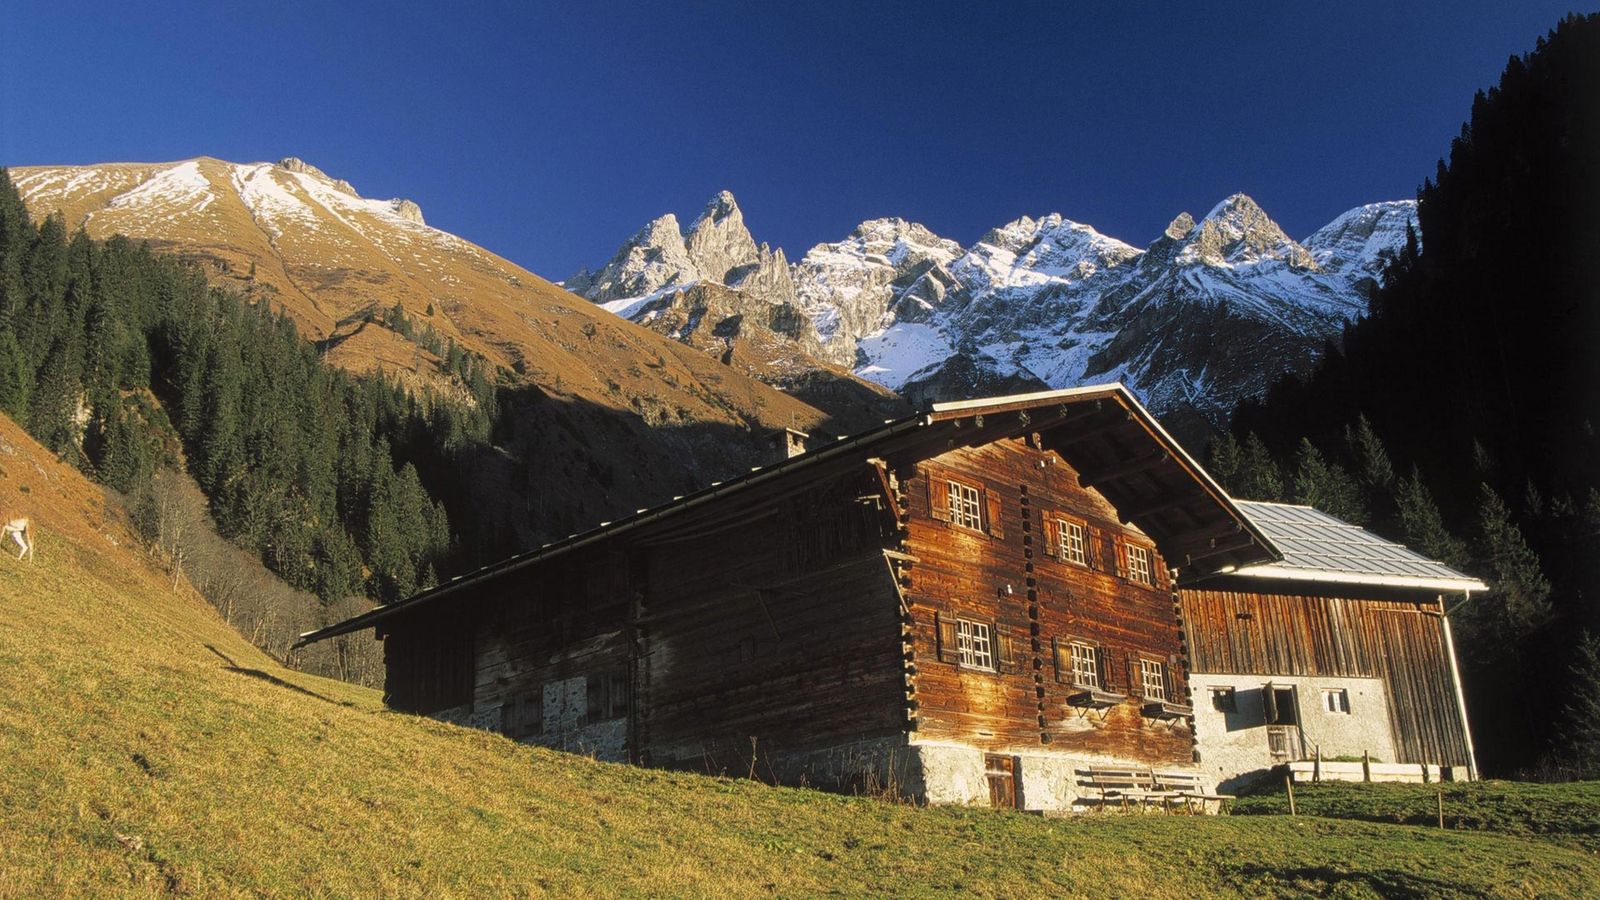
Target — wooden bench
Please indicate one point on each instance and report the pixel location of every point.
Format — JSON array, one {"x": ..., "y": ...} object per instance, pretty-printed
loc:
[
  {"x": 1189, "y": 787},
  {"x": 1128, "y": 786},
  {"x": 1124, "y": 786}
]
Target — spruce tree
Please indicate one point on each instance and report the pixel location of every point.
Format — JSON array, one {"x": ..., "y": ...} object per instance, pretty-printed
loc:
[
  {"x": 1422, "y": 528},
  {"x": 1580, "y": 732},
  {"x": 1326, "y": 486},
  {"x": 1519, "y": 597},
  {"x": 1258, "y": 475}
]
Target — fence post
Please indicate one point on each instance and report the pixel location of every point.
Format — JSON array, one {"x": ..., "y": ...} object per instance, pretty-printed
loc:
[
  {"x": 1288, "y": 782},
  {"x": 1441, "y": 809},
  {"x": 1316, "y": 765},
  {"x": 1366, "y": 766}
]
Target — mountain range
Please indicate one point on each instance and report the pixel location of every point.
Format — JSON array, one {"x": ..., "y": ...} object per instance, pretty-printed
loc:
[
  {"x": 601, "y": 417},
  {"x": 1211, "y": 312}
]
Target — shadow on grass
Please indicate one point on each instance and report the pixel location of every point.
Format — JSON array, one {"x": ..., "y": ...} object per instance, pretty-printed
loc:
[
  {"x": 1384, "y": 883},
  {"x": 272, "y": 679}
]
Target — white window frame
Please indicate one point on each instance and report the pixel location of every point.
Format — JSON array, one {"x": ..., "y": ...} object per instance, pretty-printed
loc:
[
  {"x": 975, "y": 644},
  {"x": 1085, "y": 664},
  {"x": 1153, "y": 679},
  {"x": 1074, "y": 541},
  {"x": 1139, "y": 565},
  {"x": 1336, "y": 701},
  {"x": 966, "y": 506}
]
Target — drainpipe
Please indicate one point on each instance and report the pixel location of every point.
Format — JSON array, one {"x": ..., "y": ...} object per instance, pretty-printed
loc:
[{"x": 1455, "y": 677}]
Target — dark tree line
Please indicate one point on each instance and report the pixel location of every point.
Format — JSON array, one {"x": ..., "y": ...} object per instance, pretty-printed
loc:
[
  {"x": 1479, "y": 364},
  {"x": 126, "y": 363}
]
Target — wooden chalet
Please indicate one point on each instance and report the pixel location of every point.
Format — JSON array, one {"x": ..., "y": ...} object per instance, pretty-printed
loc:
[
  {"x": 970, "y": 605},
  {"x": 1340, "y": 651}
]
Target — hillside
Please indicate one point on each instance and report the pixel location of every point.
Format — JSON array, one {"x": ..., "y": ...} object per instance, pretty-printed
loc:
[
  {"x": 603, "y": 417},
  {"x": 147, "y": 750}
]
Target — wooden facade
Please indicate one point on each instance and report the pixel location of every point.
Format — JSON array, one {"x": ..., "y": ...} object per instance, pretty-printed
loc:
[
  {"x": 972, "y": 605},
  {"x": 1334, "y": 634}
]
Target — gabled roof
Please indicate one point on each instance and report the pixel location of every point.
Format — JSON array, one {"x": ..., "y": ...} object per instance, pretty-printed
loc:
[
  {"x": 1102, "y": 431},
  {"x": 1319, "y": 547}
]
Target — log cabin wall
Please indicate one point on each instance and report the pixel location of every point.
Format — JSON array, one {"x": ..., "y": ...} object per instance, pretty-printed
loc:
[
  {"x": 1010, "y": 571},
  {"x": 782, "y": 630},
  {"x": 1253, "y": 627}
]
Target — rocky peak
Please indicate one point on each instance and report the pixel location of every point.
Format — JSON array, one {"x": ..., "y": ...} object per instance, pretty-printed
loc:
[
  {"x": 1359, "y": 243},
  {"x": 407, "y": 210},
  {"x": 767, "y": 277},
  {"x": 652, "y": 259},
  {"x": 1237, "y": 231},
  {"x": 717, "y": 240},
  {"x": 298, "y": 165},
  {"x": 1180, "y": 227}
]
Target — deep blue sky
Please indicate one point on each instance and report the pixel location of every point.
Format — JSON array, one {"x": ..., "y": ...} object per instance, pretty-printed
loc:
[{"x": 550, "y": 132}]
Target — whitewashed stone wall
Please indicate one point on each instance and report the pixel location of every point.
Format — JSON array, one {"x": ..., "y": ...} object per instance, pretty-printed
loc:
[{"x": 1233, "y": 746}]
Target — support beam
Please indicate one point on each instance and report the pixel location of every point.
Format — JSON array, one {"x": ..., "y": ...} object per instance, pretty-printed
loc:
[
  {"x": 1139, "y": 512},
  {"x": 1094, "y": 430},
  {"x": 1218, "y": 547},
  {"x": 1097, "y": 477}
]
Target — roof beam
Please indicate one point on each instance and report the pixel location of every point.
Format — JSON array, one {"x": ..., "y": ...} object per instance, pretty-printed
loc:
[{"x": 1095, "y": 477}]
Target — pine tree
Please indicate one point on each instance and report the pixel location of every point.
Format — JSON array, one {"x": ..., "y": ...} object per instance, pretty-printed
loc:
[
  {"x": 1258, "y": 475},
  {"x": 16, "y": 378},
  {"x": 1422, "y": 528},
  {"x": 1373, "y": 470},
  {"x": 1519, "y": 598},
  {"x": 1326, "y": 486},
  {"x": 1580, "y": 734}
]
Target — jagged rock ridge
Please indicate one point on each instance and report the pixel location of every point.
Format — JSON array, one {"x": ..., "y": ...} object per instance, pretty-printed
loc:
[{"x": 1212, "y": 311}]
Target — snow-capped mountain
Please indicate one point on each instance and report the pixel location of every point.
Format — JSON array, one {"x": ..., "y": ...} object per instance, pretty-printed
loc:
[{"x": 1210, "y": 312}]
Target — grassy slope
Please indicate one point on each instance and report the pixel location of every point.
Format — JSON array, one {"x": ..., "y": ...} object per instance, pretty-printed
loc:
[{"x": 146, "y": 749}]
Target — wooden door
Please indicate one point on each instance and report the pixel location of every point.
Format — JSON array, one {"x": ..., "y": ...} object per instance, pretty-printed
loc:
[{"x": 1002, "y": 773}]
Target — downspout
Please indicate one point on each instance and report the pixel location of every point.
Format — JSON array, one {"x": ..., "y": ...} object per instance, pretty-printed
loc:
[{"x": 1455, "y": 677}]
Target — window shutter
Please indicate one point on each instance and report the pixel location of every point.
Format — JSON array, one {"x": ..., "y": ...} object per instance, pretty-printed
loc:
[
  {"x": 1063, "y": 666},
  {"x": 1005, "y": 652},
  {"x": 1091, "y": 548},
  {"x": 1052, "y": 533},
  {"x": 1102, "y": 664},
  {"x": 946, "y": 628},
  {"x": 1269, "y": 704},
  {"x": 1171, "y": 682},
  {"x": 938, "y": 495},
  {"x": 997, "y": 528},
  {"x": 1158, "y": 567},
  {"x": 1121, "y": 547},
  {"x": 1135, "y": 675}
]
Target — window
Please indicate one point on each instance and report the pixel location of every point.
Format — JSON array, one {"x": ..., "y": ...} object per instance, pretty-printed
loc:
[
  {"x": 1085, "y": 665},
  {"x": 1224, "y": 700},
  {"x": 973, "y": 643},
  {"x": 1139, "y": 565},
  {"x": 608, "y": 696},
  {"x": 1153, "y": 679},
  {"x": 1336, "y": 701},
  {"x": 1072, "y": 542},
  {"x": 966, "y": 506}
]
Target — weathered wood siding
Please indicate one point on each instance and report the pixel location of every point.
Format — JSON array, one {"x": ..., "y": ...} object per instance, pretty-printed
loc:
[
  {"x": 428, "y": 662},
  {"x": 964, "y": 573},
  {"x": 783, "y": 630},
  {"x": 1280, "y": 629}
]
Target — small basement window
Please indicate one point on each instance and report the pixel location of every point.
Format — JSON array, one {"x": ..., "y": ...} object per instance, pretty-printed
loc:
[
  {"x": 1224, "y": 699},
  {"x": 608, "y": 696},
  {"x": 975, "y": 644},
  {"x": 1139, "y": 568},
  {"x": 966, "y": 506},
  {"x": 1336, "y": 701}
]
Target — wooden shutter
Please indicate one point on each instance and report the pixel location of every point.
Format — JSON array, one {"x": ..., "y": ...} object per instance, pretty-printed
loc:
[
  {"x": 1269, "y": 703},
  {"x": 1171, "y": 680},
  {"x": 997, "y": 528},
  {"x": 938, "y": 495},
  {"x": 1158, "y": 569},
  {"x": 1091, "y": 548},
  {"x": 945, "y": 626},
  {"x": 1121, "y": 547},
  {"x": 1102, "y": 664},
  {"x": 1005, "y": 651},
  {"x": 1135, "y": 675},
  {"x": 1051, "y": 532},
  {"x": 1063, "y": 666}
]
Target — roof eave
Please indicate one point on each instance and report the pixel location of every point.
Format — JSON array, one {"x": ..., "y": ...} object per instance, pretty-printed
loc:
[{"x": 1446, "y": 585}]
